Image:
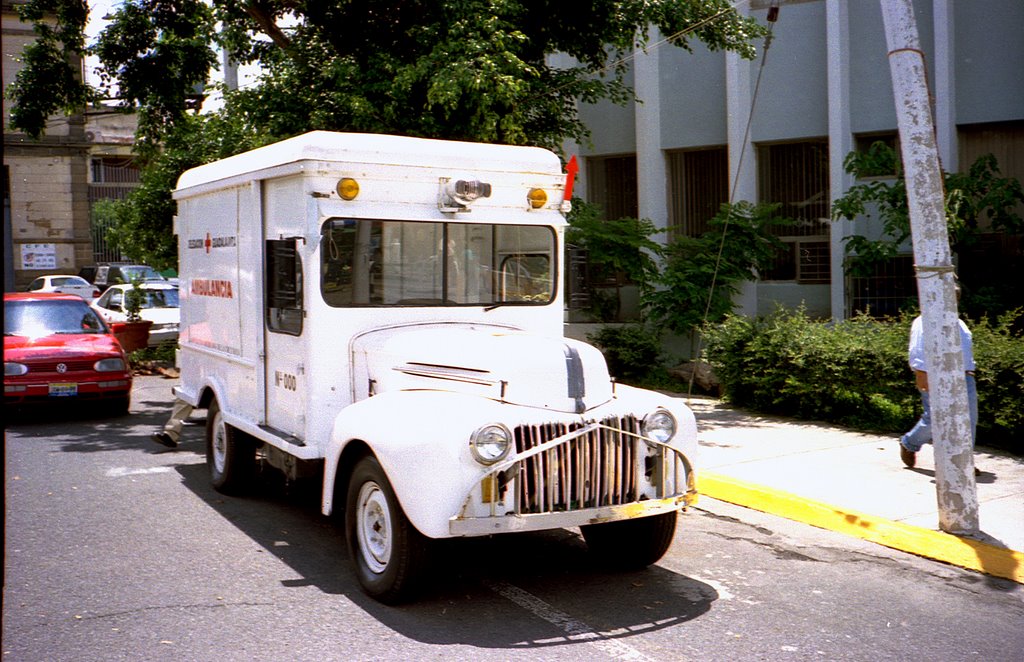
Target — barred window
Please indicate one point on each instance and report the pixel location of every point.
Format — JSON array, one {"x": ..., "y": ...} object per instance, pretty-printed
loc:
[
  {"x": 699, "y": 181},
  {"x": 612, "y": 184},
  {"x": 796, "y": 175},
  {"x": 886, "y": 290}
]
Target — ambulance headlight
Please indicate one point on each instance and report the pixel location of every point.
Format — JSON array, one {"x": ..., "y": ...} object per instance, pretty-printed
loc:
[
  {"x": 659, "y": 425},
  {"x": 490, "y": 444}
]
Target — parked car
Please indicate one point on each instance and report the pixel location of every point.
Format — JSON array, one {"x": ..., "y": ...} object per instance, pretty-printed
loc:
[
  {"x": 159, "y": 306},
  {"x": 64, "y": 284},
  {"x": 108, "y": 275},
  {"x": 56, "y": 348},
  {"x": 88, "y": 272}
]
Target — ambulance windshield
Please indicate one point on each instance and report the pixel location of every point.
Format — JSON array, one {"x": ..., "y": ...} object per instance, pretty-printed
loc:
[{"x": 407, "y": 263}]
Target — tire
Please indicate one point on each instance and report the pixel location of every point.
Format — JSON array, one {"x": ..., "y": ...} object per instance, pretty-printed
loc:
[
  {"x": 119, "y": 406},
  {"x": 388, "y": 553},
  {"x": 230, "y": 455},
  {"x": 631, "y": 544}
]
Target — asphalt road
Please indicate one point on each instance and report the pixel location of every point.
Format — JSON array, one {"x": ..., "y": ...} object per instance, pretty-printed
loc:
[{"x": 117, "y": 549}]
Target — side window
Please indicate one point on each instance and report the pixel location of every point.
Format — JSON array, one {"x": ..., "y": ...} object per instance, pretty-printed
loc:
[
  {"x": 283, "y": 299},
  {"x": 115, "y": 301}
]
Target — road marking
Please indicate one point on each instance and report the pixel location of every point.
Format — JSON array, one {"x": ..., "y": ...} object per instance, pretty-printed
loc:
[
  {"x": 578, "y": 631},
  {"x": 118, "y": 472}
]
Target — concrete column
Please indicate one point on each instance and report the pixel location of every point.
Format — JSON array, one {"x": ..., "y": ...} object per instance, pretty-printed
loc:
[
  {"x": 840, "y": 140},
  {"x": 652, "y": 176},
  {"x": 742, "y": 159},
  {"x": 944, "y": 88}
]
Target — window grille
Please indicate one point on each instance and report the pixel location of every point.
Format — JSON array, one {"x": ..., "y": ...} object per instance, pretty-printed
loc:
[
  {"x": 699, "y": 181},
  {"x": 886, "y": 291},
  {"x": 612, "y": 184},
  {"x": 796, "y": 175}
]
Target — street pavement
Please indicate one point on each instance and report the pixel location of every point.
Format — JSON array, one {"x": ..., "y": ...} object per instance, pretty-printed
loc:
[{"x": 855, "y": 483}]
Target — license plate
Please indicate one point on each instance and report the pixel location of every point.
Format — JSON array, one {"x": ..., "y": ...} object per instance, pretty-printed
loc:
[{"x": 63, "y": 389}]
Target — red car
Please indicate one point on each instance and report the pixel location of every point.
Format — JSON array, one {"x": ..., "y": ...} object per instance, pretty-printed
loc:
[{"x": 57, "y": 349}]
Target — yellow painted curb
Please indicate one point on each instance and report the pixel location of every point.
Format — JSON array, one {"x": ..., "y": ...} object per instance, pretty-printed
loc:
[{"x": 963, "y": 552}]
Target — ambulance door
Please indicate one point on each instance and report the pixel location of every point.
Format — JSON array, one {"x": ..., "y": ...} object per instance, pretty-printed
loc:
[{"x": 284, "y": 310}]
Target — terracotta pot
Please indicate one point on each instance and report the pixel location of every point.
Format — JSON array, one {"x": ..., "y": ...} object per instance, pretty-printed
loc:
[{"x": 132, "y": 335}]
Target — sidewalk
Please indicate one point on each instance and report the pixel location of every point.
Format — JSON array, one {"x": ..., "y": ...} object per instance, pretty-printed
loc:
[{"x": 855, "y": 483}]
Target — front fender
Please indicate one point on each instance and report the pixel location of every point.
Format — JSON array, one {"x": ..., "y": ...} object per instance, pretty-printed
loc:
[{"x": 421, "y": 439}]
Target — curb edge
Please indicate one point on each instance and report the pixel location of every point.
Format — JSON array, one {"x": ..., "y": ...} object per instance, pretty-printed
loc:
[{"x": 937, "y": 545}]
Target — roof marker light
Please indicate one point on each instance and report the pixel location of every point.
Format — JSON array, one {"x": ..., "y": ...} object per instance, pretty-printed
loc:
[{"x": 347, "y": 188}]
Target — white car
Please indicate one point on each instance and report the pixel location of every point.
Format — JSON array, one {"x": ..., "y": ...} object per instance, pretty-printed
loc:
[
  {"x": 160, "y": 307},
  {"x": 63, "y": 284}
]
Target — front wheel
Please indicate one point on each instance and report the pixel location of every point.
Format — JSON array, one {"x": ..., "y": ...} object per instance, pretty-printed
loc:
[
  {"x": 633, "y": 543},
  {"x": 230, "y": 455},
  {"x": 388, "y": 552}
]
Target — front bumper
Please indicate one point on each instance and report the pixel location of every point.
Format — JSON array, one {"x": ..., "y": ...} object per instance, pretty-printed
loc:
[{"x": 597, "y": 473}]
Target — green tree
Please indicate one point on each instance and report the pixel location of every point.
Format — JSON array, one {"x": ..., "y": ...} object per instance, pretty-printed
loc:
[
  {"x": 976, "y": 201},
  {"x": 458, "y": 69},
  {"x": 701, "y": 275}
]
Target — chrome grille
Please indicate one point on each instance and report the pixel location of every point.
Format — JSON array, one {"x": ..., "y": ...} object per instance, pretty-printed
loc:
[{"x": 599, "y": 468}]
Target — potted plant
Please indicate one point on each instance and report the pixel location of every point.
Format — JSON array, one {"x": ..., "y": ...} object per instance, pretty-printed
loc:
[{"x": 133, "y": 334}]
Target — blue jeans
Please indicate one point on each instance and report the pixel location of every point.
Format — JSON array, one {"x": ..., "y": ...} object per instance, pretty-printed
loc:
[{"x": 921, "y": 433}]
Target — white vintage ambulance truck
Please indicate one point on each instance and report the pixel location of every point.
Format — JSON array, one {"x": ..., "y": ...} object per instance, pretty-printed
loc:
[{"x": 387, "y": 313}]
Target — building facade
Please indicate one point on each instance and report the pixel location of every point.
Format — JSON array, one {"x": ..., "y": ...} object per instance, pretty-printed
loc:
[
  {"x": 711, "y": 128},
  {"x": 51, "y": 184}
]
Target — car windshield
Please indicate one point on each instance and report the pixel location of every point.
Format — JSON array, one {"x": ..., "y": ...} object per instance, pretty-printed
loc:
[
  {"x": 141, "y": 273},
  {"x": 43, "y": 318},
  {"x": 161, "y": 298}
]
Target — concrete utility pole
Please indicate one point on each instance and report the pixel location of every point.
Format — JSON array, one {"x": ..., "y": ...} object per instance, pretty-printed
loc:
[{"x": 951, "y": 428}]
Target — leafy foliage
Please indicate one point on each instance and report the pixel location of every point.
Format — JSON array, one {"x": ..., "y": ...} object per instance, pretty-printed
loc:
[
  {"x": 980, "y": 199},
  {"x": 144, "y": 219},
  {"x": 632, "y": 351},
  {"x": 621, "y": 246},
  {"x": 458, "y": 69},
  {"x": 48, "y": 82},
  {"x": 855, "y": 372},
  {"x": 736, "y": 246}
]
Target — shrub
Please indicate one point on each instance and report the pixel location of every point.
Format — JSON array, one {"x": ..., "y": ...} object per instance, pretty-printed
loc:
[
  {"x": 855, "y": 372},
  {"x": 852, "y": 372},
  {"x": 999, "y": 353},
  {"x": 633, "y": 352}
]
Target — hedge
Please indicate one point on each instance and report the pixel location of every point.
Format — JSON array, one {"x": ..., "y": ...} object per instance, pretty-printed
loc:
[{"x": 854, "y": 373}]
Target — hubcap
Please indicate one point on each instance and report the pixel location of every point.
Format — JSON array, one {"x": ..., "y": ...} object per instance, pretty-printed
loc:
[
  {"x": 373, "y": 527},
  {"x": 220, "y": 445}
]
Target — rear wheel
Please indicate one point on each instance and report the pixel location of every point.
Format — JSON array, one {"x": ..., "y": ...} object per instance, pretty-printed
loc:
[
  {"x": 388, "y": 552},
  {"x": 633, "y": 543},
  {"x": 230, "y": 454}
]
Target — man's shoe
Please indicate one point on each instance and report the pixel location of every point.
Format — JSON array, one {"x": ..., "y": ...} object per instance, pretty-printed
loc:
[
  {"x": 164, "y": 439},
  {"x": 977, "y": 472},
  {"x": 909, "y": 457}
]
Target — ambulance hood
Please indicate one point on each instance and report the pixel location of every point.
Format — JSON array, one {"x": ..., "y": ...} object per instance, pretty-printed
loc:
[{"x": 497, "y": 363}]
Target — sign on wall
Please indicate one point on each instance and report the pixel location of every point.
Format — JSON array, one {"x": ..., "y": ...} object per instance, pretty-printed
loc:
[{"x": 39, "y": 256}]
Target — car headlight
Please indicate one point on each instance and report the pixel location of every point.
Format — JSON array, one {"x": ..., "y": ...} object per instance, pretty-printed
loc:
[
  {"x": 659, "y": 425},
  {"x": 490, "y": 444},
  {"x": 109, "y": 365},
  {"x": 12, "y": 369}
]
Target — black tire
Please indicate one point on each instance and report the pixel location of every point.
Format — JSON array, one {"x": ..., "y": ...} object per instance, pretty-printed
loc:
[
  {"x": 631, "y": 544},
  {"x": 230, "y": 455},
  {"x": 388, "y": 553},
  {"x": 119, "y": 406}
]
